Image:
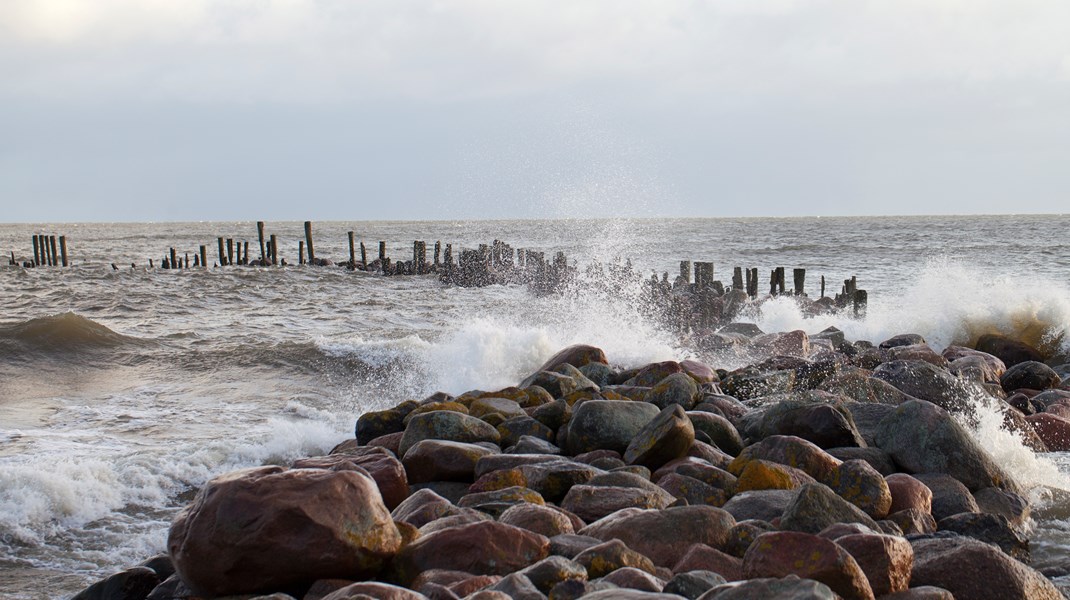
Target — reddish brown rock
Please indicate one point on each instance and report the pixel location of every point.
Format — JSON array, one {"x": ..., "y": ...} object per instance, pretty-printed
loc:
[
  {"x": 606, "y": 425},
  {"x": 765, "y": 475},
  {"x": 700, "y": 372},
  {"x": 973, "y": 570},
  {"x": 665, "y": 535},
  {"x": 576, "y": 355},
  {"x": 908, "y": 492},
  {"x": 791, "y": 343},
  {"x": 860, "y": 484},
  {"x": 239, "y": 534},
  {"x": 651, "y": 374},
  {"x": 634, "y": 579},
  {"x": 390, "y": 441},
  {"x": 666, "y": 437},
  {"x": 1053, "y": 430},
  {"x": 701, "y": 557},
  {"x": 486, "y": 548},
  {"x": 442, "y": 460},
  {"x": 1010, "y": 351},
  {"x": 792, "y": 451},
  {"x": 887, "y": 560},
  {"x": 374, "y": 589},
  {"x": 692, "y": 491},
  {"x": 604, "y": 558},
  {"x": 782, "y": 553},
  {"x": 446, "y": 425},
  {"x": 544, "y": 520},
  {"x": 422, "y": 507},
  {"x": 591, "y": 503},
  {"x": 912, "y": 520},
  {"x": 380, "y": 463}
]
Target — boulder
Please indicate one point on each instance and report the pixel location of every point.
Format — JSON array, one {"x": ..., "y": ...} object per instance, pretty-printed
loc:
[
  {"x": 237, "y": 536},
  {"x": 925, "y": 381},
  {"x": 496, "y": 502},
  {"x": 651, "y": 374},
  {"x": 791, "y": 587},
  {"x": 903, "y": 339},
  {"x": 446, "y": 425},
  {"x": 701, "y": 557},
  {"x": 514, "y": 428},
  {"x": 591, "y": 503},
  {"x": 979, "y": 367},
  {"x": 665, "y": 535},
  {"x": 1008, "y": 350},
  {"x": 860, "y": 484},
  {"x": 908, "y": 492},
  {"x": 374, "y": 589},
  {"x": 527, "y": 444},
  {"x": 743, "y": 535},
  {"x": 515, "y": 587},
  {"x": 950, "y": 496},
  {"x": 815, "y": 507},
  {"x": 569, "y": 544},
  {"x": 676, "y": 389},
  {"x": 860, "y": 385},
  {"x": 792, "y": 451},
  {"x": 702, "y": 471},
  {"x": 553, "y": 414},
  {"x": 765, "y": 475},
  {"x": 602, "y": 559},
  {"x": 1010, "y": 505},
  {"x": 131, "y": 584},
  {"x": 782, "y": 553},
  {"x": 788, "y": 343},
  {"x": 422, "y": 507},
  {"x": 922, "y": 352},
  {"x": 875, "y": 457},
  {"x": 577, "y": 355},
  {"x": 552, "y": 570},
  {"x": 377, "y": 423},
  {"x": 541, "y": 519},
  {"x": 503, "y": 406},
  {"x": 826, "y": 425},
  {"x": 443, "y": 460},
  {"x": 887, "y": 560},
  {"x": 667, "y": 436},
  {"x": 692, "y": 491},
  {"x": 692, "y": 584},
  {"x": 606, "y": 424},
  {"x": 1053, "y": 430},
  {"x": 700, "y": 372},
  {"x": 973, "y": 570},
  {"x": 750, "y": 382},
  {"x": 763, "y": 505},
  {"x": 923, "y": 438},
  {"x": 913, "y": 521},
  {"x": 1031, "y": 375},
  {"x": 634, "y": 579},
  {"x": 994, "y": 529},
  {"x": 923, "y": 592},
  {"x": 485, "y": 548},
  {"x": 719, "y": 429},
  {"x": 380, "y": 463}
]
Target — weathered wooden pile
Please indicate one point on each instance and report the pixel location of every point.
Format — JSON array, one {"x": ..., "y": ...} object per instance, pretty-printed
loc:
[
  {"x": 44, "y": 252},
  {"x": 830, "y": 470}
]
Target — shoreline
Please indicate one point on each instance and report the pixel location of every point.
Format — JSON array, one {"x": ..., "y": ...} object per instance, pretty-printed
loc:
[{"x": 770, "y": 449}]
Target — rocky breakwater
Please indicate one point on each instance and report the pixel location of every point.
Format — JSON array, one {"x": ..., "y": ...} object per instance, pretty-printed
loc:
[{"x": 830, "y": 470}]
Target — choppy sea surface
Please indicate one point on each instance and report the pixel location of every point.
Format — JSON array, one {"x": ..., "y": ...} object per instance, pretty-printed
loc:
[{"x": 122, "y": 391}]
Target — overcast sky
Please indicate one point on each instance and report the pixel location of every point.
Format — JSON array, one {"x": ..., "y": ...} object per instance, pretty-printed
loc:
[{"x": 395, "y": 109}]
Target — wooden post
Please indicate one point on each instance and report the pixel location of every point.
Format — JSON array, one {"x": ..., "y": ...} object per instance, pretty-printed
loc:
[
  {"x": 300, "y": 252},
  {"x": 63, "y": 249},
  {"x": 704, "y": 275},
  {"x": 737, "y": 278},
  {"x": 352, "y": 252},
  {"x": 230, "y": 251},
  {"x": 382, "y": 256},
  {"x": 363, "y": 256},
  {"x": 308, "y": 241},
  {"x": 36, "y": 250},
  {"x": 861, "y": 300},
  {"x": 780, "y": 280},
  {"x": 799, "y": 275},
  {"x": 274, "y": 250},
  {"x": 772, "y": 282},
  {"x": 245, "y": 253},
  {"x": 438, "y": 252},
  {"x": 448, "y": 256},
  {"x": 822, "y": 286},
  {"x": 187, "y": 260},
  {"x": 174, "y": 259},
  {"x": 52, "y": 246},
  {"x": 12, "y": 258},
  {"x": 260, "y": 236},
  {"x": 419, "y": 259},
  {"x": 204, "y": 255},
  {"x": 685, "y": 271},
  {"x": 196, "y": 260}
]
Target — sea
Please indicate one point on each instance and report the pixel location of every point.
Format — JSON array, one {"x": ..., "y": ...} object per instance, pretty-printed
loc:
[{"x": 124, "y": 388}]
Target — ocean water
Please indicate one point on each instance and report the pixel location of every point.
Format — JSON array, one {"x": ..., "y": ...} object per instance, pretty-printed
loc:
[{"x": 122, "y": 391}]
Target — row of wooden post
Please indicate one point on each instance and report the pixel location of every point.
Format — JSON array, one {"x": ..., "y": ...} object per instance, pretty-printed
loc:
[{"x": 45, "y": 252}]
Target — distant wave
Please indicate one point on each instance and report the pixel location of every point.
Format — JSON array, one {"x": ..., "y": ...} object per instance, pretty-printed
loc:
[{"x": 64, "y": 333}]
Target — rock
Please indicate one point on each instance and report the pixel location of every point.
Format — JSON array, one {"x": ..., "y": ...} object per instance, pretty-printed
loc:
[
  {"x": 788, "y": 343},
  {"x": 634, "y": 579},
  {"x": 497, "y": 502},
  {"x": 692, "y": 491},
  {"x": 826, "y": 425},
  {"x": 973, "y": 570},
  {"x": 531, "y": 445},
  {"x": 514, "y": 428},
  {"x": 903, "y": 339},
  {"x": 1053, "y": 430},
  {"x": 708, "y": 454},
  {"x": 1010, "y": 351},
  {"x": 325, "y": 587},
  {"x": 750, "y": 382},
  {"x": 719, "y": 429},
  {"x": 540, "y": 519},
  {"x": 422, "y": 507},
  {"x": 665, "y": 535},
  {"x": 553, "y": 414},
  {"x": 998, "y": 502},
  {"x": 676, "y": 389},
  {"x": 623, "y": 594},
  {"x": 577, "y": 355},
  {"x": 665, "y": 437},
  {"x": 726, "y": 406},
  {"x": 501, "y": 462},
  {"x": 743, "y": 535},
  {"x": 860, "y": 484},
  {"x": 908, "y": 492},
  {"x": 390, "y": 441},
  {"x": 763, "y": 505},
  {"x": 782, "y": 553},
  {"x": 387, "y": 471},
  {"x": 765, "y": 475},
  {"x": 463, "y": 516},
  {"x": 791, "y": 587},
  {"x": 503, "y": 406},
  {"x": 651, "y": 374},
  {"x": 792, "y": 451},
  {"x": 693, "y": 584},
  {"x": 920, "y": 352},
  {"x": 925, "y": 382},
  {"x": 606, "y": 424},
  {"x": 700, "y": 372},
  {"x": 486, "y": 548},
  {"x": 443, "y": 460},
  {"x": 553, "y": 480},
  {"x": 979, "y": 367},
  {"x": 450, "y": 405},
  {"x": 131, "y": 584},
  {"x": 591, "y": 503},
  {"x": 924, "y": 592},
  {"x": 569, "y": 545},
  {"x": 238, "y": 534},
  {"x": 950, "y": 497},
  {"x": 517, "y": 587},
  {"x": 858, "y": 384},
  {"x": 1032, "y": 375},
  {"x": 446, "y": 425},
  {"x": 923, "y": 438},
  {"x": 994, "y": 529},
  {"x": 374, "y": 589},
  {"x": 376, "y": 423},
  {"x": 598, "y": 373},
  {"x": 702, "y": 471},
  {"x": 701, "y": 557},
  {"x": 887, "y": 560},
  {"x": 877, "y": 458},
  {"x": 815, "y": 507},
  {"x": 913, "y": 521},
  {"x": 552, "y": 570},
  {"x": 602, "y": 559},
  {"x": 868, "y": 416}
]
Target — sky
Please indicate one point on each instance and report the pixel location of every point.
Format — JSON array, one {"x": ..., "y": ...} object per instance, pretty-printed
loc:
[{"x": 161, "y": 110}]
